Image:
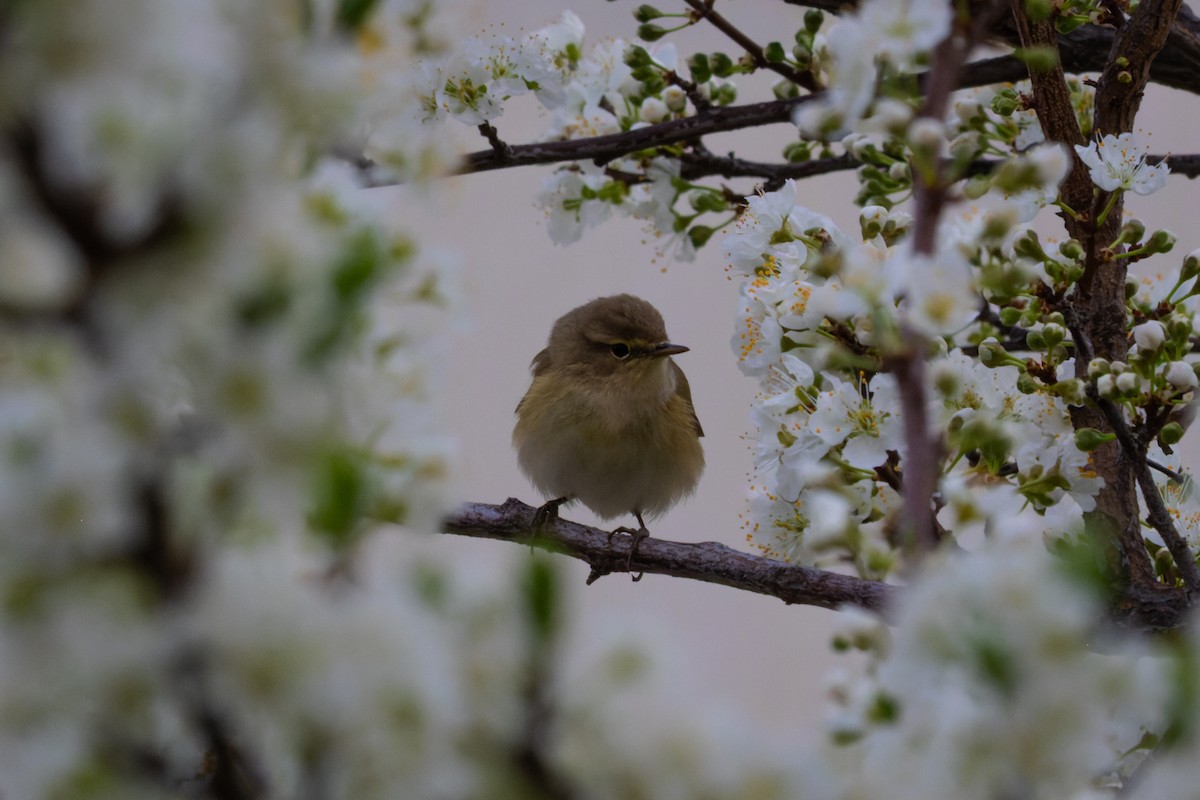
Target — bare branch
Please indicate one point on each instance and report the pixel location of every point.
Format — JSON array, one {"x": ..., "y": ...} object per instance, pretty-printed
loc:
[
  {"x": 1126, "y": 72},
  {"x": 710, "y": 562},
  {"x": 1147, "y": 609}
]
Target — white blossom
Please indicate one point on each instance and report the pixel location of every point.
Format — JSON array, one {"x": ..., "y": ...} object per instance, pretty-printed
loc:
[{"x": 1119, "y": 162}]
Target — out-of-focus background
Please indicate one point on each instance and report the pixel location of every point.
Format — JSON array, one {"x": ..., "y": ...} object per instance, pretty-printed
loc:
[{"x": 749, "y": 651}]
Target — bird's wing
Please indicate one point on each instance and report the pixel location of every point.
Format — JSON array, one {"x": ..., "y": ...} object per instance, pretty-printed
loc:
[
  {"x": 539, "y": 366},
  {"x": 683, "y": 390}
]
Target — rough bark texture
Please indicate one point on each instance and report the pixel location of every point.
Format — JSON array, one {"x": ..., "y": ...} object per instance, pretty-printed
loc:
[{"x": 710, "y": 562}]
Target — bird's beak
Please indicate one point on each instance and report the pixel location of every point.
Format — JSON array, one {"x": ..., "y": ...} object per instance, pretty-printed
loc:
[{"x": 668, "y": 349}]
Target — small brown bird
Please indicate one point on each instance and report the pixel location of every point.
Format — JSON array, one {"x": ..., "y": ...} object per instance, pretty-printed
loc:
[{"x": 608, "y": 419}]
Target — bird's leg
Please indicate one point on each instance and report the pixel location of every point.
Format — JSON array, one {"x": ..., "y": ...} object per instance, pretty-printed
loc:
[
  {"x": 638, "y": 534},
  {"x": 547, "y": 513},
  {"x": 544, "y": 517}
]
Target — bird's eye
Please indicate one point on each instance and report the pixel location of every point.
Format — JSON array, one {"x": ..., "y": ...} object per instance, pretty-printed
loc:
[{"x": 620, "y": 350}]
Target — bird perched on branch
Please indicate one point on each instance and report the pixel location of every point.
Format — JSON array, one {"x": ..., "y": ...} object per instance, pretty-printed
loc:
[{"x": 609, "y": 419}]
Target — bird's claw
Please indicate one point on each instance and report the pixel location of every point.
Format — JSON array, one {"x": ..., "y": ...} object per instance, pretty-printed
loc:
[
  {"x": 636, "y": 534},
  {"x": 547, "y": 513}
]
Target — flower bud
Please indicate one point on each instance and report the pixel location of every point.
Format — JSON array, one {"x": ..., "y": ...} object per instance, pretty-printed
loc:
[
  {"x": 1161, "y": 242},
  {"x": 1191, "y": 265},
  {"x": 1131, "y": 232},
  {"x": 992, "y": 355},
  {"x": 1072, "y": 391},
  {"x": 1098, "y": 367},
  {"x": 645, "y": 13},
  {"x": 1149, "y": 336},
  {"x": 1088, "y": 439},
  {"x": 1181, "y": 375},
  {"x": 1171, "y": 433},
  {"x": 654, "y": 110},
  {"x": 1053, "y": 333},
  {"x": 1106, "y": 386},
  {"x": 675, "y": 98},
  {"x": 1071, "y": 249},
  {"x": 871, "y": 219},
  {"x": 1128, "y": 383}
]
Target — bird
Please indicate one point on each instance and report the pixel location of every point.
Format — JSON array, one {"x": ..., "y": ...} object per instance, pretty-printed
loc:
[{"x": 608, "y": 419}]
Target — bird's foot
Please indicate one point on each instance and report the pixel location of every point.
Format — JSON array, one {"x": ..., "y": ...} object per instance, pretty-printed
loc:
[
  {"x": 545, "y": 516},
  {"x": 547, "y": 513},
  {"x": 636, "y": 534}
]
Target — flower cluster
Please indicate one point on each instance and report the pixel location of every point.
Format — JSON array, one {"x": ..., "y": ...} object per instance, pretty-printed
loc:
[{"x": 820, "y": 313}]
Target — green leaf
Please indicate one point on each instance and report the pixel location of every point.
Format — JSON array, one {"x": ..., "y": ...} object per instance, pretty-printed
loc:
[
  {"x": 541, "y": 598},
  {"x": 351, "y": 14},
  {"x": 339, "y": 495}
]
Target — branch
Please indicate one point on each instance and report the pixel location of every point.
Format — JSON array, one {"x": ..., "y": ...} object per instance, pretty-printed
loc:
[
  {"x": 1153, "y": 609},
  {"x": 1127, "y": 70},
  {"x": 1158, "y": 516},
  {"x": 710, "y": 562}
]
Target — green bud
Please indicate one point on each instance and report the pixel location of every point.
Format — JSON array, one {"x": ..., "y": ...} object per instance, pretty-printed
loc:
[
  {"x": 1053, "y": 334},
  {"x": 1161, "y": 242},
  {"x": 977, "y": 186},
  {"x": 700, "y": 234},
  {"x": 1004, "y": 105},
  {"x": 992, "y": 355},
  {"x": 1010, "y": 316},
  {"x": 636, "y": 57},
  {"x": 1131, "y": 287},
  {"x": 1027, "y": 384},
  {"x": 1131, "y": 232},
  {"x": 1028, "y": 246},
  {"x": 1171, "y": 433},
  {"x": 1179, "y": 328},
  {"x": 1071, "y": 249},
  {"x": 649, "y": 32},
  {"x": 1036, "y": 340},
  {"x": 645, "y": 13},
  {"x": 1124, "y": 77},
  {"x": 785, "y": 90},
  {"x": 1088, "y": 439},
  {"x": 707, "y": 201},
  {"x": 1191, "y": 266},
  {"x": 1098, "y": 367},
  {"x": 1071, "y": 390},
  {"x": 652, "y": 84},
  {"x": 699, "y": 67},
  {"x": 774, "y": 53},
  {"x": 813, "y": 19},
  {"x": 722, "y": 65},
  {"x": 724, "y": 94},
  {"x": 797, "y": 152}
]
